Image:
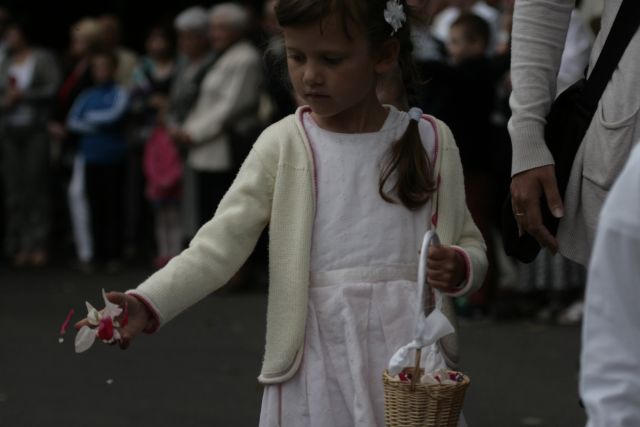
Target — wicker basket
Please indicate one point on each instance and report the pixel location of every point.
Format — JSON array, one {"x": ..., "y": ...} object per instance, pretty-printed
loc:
[
  {"x": 422, "y": 405},
  {"x": 412, "y": 404}
]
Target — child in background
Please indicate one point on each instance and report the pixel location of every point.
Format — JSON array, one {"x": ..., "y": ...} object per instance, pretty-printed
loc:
[
  {"x": 97, "y": 115},
  {"x": 348, "y": 187},
  {"x": 163, "y": 173},
  {"x": 162, "y": 164},
  {"x": 471, "y": 82}
]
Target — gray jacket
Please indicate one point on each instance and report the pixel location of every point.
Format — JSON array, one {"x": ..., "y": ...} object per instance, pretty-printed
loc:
[{"x": 37, "y": 97}]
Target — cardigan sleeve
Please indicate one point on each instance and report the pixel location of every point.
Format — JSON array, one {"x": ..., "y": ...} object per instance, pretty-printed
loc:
[
  {"x": 221, "y": 246},
  {"x": 455, "y": 221},
  {"x": 538, "y": 37},
  {"x": 474, "y": 251}
]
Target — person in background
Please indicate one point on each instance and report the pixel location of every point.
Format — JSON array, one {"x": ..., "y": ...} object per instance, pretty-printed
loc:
[
  {"x": 5, "y": 18},
  {"x": 195, "y": 59},
  {"x": 275, "y": 66},
  {"x": 134, "y": 204},
  {"x": 97, "y": 115},
  {"x": 539, "y": 33},
  {"x": 153, "y": 78},
  {"x": 442, "y": 22},
  {"x": 112, "y": 39},
  {"x": 470, "y": 82},
  {"x": 577, "y": 47},
  {"x": 28, "y": 82},
  {"x": 610, "y": 359},
  {"x": 426, "y": 47},
  {"x": 162, "y": 165},
  {"x": 227, "y": 104},
  {"x": 562, "y": 280},
  {"x": 85, "y": 38}
]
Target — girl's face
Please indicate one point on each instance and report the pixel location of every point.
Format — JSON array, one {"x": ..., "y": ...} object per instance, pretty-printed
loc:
[{"x": 334, "y": 74}]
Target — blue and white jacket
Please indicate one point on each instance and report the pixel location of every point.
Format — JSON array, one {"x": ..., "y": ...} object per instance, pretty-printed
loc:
[{"x": 98, "y": 116}]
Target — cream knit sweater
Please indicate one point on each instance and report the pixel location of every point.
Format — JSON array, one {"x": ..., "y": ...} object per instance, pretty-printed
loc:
[{"x": 276, "y": 186}]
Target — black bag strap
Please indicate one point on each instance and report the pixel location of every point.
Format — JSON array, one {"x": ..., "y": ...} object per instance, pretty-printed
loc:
[{"x": 622, "y": 31}]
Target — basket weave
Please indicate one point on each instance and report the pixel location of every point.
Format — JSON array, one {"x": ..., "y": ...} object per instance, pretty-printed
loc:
[{"x": 422, "y": 405}]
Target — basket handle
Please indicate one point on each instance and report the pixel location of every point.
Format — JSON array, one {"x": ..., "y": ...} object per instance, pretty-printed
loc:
[
  {"x": 430, "y": 239},
  {"x": 416, "y": 370}
]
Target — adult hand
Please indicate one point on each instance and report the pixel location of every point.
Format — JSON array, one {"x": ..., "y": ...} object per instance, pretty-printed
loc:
[
  {"x": 139, "y": 317},
  {"x": 526, "y": 190},
  {"x": 446, "y": 268}
]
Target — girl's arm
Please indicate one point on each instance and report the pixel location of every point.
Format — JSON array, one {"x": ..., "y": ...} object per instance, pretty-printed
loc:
[
  {"x": 222, "y": 245},
  {"x": 460, "y": 229},
  {"x": 472, "y": 249}
]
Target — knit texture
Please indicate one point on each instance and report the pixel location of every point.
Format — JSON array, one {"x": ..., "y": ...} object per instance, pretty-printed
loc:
[
  {"x": 276, "y": 186},
  {"x": 539, "y": 32},
  {"x": 538, "y": 36}
]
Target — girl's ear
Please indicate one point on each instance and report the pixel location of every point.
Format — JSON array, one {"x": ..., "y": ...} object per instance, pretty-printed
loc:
[{"x": 387, "y": 56}]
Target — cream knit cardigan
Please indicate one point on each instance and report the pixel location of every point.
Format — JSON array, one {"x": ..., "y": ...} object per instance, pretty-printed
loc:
[{"x": 276, "y": 186}]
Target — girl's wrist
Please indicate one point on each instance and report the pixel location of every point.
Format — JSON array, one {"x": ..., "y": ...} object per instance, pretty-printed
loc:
[{"x": 153, "y": 321}]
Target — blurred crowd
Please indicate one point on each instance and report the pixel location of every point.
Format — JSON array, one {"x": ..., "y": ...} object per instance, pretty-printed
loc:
[{"x": 109, "y": 155}]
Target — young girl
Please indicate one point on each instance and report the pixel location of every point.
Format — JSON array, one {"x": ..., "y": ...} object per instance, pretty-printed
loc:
[{"x": 348, "y": 187}]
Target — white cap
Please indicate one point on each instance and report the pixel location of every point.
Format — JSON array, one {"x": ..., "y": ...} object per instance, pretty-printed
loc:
[
  {"x": 232, "y": 14},
  {"x": 192, "y": 19}
]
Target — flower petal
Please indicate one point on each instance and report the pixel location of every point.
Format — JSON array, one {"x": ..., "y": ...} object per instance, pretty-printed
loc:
[
  {"x": 93, "y": 315},
  {"x": 84, "y": 339},
  {"x": 110, "y": 309},
  {"x": 105, "y": 329}
]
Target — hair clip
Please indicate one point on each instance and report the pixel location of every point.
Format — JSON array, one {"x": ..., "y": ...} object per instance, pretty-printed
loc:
[{"x": 394, "y": 15}]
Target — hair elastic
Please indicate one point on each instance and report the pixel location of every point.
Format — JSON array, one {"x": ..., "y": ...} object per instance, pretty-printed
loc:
[{"x": 415, "y": 114}]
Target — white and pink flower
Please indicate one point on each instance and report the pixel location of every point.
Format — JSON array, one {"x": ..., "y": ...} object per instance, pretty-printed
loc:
[{"x": 102, "y": 325}]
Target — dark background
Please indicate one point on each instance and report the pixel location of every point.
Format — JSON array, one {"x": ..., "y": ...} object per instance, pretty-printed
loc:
[{"x": 51, "y": 20}]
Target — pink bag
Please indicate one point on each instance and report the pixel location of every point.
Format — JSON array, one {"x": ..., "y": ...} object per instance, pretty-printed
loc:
[{"x": 162, "y": 166}]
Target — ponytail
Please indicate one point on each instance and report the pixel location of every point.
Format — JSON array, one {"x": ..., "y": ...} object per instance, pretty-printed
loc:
[{"x": 409, "y": 163}]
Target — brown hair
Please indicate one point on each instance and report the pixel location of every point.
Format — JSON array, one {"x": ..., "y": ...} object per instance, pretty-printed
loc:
[
  {"x": 406, "y": 162},
  {"x": 474, "y": 28}
]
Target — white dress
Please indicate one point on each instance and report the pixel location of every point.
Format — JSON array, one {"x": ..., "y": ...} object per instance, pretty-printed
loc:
[{"x": 362, "y": 287}]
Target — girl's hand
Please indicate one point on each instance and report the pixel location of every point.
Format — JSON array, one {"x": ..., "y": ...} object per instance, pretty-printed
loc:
[
  {"x": 446, "y": 268},
  {"x": 139, "y": 317}
]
